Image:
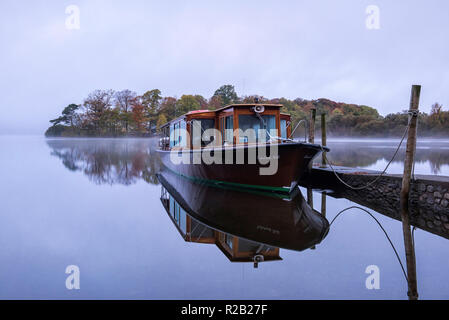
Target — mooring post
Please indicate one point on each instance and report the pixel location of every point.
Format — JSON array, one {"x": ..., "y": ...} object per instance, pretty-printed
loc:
[
  {"x": 323, "y": 139},
  {"x": 310, "y": 197},
  {"x": 404, "y": 197},
  {"x": 311, "y": 140},
  {"x": 312, "y": 132},
  {"x": 312, "y": 126},
  {"x": 323, "y": 203}
]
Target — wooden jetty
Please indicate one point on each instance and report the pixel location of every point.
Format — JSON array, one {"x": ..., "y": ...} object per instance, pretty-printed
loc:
[{"x": 429, "y": 194}]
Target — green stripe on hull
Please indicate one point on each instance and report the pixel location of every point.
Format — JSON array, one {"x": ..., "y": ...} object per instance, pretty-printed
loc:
[{"x": 234, "y": 185}]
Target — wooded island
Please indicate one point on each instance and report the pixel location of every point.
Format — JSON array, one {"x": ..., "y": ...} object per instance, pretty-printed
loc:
[{"x": 105, "y": 113}]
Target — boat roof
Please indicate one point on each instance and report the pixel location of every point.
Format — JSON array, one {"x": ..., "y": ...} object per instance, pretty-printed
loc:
[
  {"x": 236, "y": 105},
  {"x": 249, "y": 105}
]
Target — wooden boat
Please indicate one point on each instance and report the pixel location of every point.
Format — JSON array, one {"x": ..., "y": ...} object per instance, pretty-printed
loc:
[
  {"x": 234, "y": 218},
  {"x": 234, "y": 151}
]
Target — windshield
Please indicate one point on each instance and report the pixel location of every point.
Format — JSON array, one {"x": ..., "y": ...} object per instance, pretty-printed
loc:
[
  {"x": 253, "y": 122},
  {"x": 202, "y": 124}
]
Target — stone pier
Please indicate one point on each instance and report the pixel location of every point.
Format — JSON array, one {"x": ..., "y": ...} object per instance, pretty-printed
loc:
[{"x": 429, "y": 195}]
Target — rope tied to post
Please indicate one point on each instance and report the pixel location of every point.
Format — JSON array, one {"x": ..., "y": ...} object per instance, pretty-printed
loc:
[{"x": 413, "y": 114}]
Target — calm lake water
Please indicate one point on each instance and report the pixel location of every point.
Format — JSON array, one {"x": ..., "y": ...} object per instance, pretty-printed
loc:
[{"x": 96, "y": 204}]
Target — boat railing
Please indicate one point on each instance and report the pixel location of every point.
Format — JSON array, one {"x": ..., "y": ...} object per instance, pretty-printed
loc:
[
  {"x": 296, "y": 127},
  {"x": 164, "y": 143},
  {"x": 279, "y": 138}
]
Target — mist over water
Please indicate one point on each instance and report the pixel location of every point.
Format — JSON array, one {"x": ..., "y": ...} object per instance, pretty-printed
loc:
[
  {"x": 96, "y": 203},
  {"x": 432, "y": 155}
]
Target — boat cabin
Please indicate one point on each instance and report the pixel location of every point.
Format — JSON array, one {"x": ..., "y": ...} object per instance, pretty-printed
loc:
[{"x": 227, "y": 121}]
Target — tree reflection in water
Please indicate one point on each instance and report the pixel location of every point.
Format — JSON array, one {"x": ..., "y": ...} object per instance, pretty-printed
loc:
[{"x": 109, "y": 161}]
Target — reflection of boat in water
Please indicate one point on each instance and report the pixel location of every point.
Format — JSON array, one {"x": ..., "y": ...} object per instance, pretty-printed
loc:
[{"x": 246, "y": 226}]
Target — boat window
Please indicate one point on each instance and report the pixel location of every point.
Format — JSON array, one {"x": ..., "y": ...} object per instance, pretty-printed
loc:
[
  {"x": 284, "y": 128},
  {"x": 178, "y": 134},
  {"x": 172, "y": 206},
  {"x": 198, "y": 128},
  {"x": 177, "y": 211},
  {"x": 248, "y": 246},
  {"x": 183, "y": 221},
  {"x": 227, "y": 129},
  {"x": 228, "y": 240},
  {"x": 172, "y": 136},
  {"x": 253, "y": 122},
  {"x": 183, "y": 135},
  {"x": 200, "y": 231}
]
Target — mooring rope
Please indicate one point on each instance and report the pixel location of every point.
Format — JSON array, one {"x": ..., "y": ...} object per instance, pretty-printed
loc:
[
  {"x": 412, "y": 114},
  {"x": 385, "y": 232}
]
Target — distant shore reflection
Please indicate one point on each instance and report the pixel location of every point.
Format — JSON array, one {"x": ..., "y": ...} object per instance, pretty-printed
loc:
[
  {"x": 359, "y": 153},
  {"x": 109, "y": 161}
]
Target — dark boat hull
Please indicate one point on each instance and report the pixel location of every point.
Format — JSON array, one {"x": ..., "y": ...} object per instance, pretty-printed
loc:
[{"x": 292, "y": 161}]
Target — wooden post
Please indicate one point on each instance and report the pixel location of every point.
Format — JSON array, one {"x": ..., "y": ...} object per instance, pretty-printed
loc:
[
  {"x": 323, "y": 139},
  {"x": 312, "y": 132},
  {"x": 404, "y": 197},
  {"x": 323, "y": 203},
  {"x": 310, "y": 197},
  {"x": 311, "y": 140},
  {"x": 312, "y": 126}
]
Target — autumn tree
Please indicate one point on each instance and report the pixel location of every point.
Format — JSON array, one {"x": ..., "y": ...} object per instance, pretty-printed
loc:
[
  {"x": 113, "y": 121},
  {"x": 151, "y": 101},
  {"x": 436, "y": 108},
  {"x": 252, "y": 98},
  {"x": 96, "y": 106},
  {"x": 186, "y": 103},
  {"x": 123, "y": 100},
  {"x": 436, "y": 118},
  {"x": 202, "y": 101},
  {"x": 162, "y": 119},
  {"x": 138, "y": 115},
  {"x": 215, "y": 102},
  {"x": 227, "y": 94},
  {"x": 168, "y": 107}
]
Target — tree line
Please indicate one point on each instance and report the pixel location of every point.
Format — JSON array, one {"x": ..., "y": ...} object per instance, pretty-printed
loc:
[{"x": 108, "y": 113}]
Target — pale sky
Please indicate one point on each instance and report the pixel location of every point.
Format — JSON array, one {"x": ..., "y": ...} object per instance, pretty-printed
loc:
[{"x": 307, "y": 49}]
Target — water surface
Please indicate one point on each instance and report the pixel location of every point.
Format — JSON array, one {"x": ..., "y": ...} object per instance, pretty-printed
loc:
[
  {"x": 96, "y": 203},
  {"x": 432, "y": 155}
]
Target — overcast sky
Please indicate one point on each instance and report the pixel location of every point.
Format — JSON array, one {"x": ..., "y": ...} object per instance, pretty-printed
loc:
[{"x": 307, "y": 49}]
